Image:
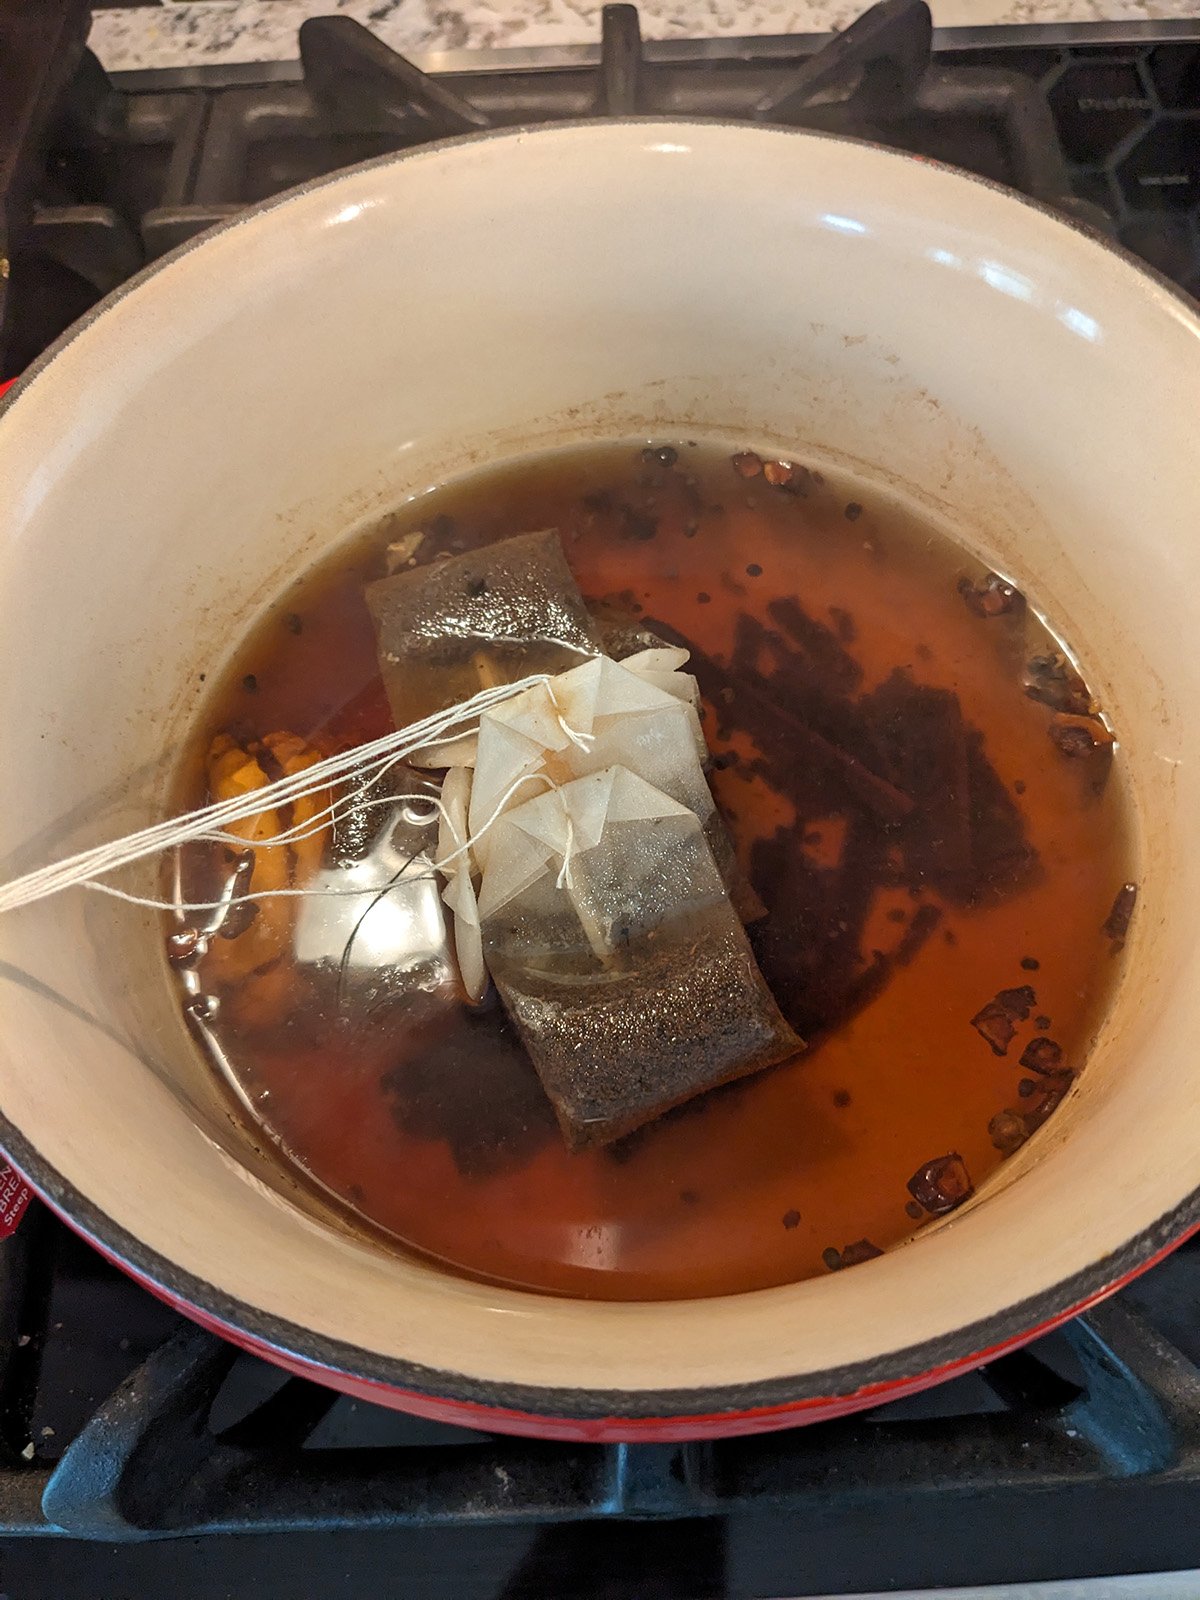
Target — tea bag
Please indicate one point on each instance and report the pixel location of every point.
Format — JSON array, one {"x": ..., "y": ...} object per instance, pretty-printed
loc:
[
  {"x": 601, "y": 714},
  {"x": 659, "y": 667},
  {"x": 469, "y": 622},
  {"x": 456, "y": 861},
  {"x": 609, "y": 933},
  {"x": 376, "y": 916}
]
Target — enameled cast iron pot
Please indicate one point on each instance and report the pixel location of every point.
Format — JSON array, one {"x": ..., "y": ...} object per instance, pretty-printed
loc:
[{"x": 216, "y": 425}]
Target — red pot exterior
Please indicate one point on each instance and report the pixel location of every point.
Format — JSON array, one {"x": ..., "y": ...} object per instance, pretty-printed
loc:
[{"x": 609, "y": 1430}]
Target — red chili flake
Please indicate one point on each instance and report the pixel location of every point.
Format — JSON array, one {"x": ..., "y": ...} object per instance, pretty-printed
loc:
[
  {"x": 746, "y": 464},
  {"x": 778, "y": 473},
  {"x": 941, "y": 1184}
]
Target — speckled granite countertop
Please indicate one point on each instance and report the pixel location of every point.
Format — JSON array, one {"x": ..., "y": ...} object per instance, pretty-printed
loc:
[{"x": 205, "y": 32}]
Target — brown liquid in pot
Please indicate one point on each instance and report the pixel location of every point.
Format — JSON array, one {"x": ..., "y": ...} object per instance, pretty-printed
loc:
[{"x": 885, "y": 937}]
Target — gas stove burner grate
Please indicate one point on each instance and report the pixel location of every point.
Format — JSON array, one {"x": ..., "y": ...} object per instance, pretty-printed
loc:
[
  {"x": 1079, "y": 1454},
  {"x": 99, "y": 177}
]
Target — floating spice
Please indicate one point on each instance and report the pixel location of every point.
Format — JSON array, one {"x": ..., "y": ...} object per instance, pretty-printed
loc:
[
  {"x": 1078, "y": 736},
  {"x": 996, "y": 1022},
  {"x": 941, "y": 1184},
  {"x": 773, "y": 723},
  {"x": 746, "y": 464},
  {"x": 818, "y": 649},
  {"x": 1008, "y": 1131},
  {"x": 474, "y": 1087},
  {"x": 851, "y": 1255},
  {"x": 964, "y": 836},
  {"x": 1052, "y": 1090},
  {"x": 1053, "y": 680},
  {"x": 861, "y": 1250},
  {"x": 1116, "y": 924},
  {"x": 994, "y": 597},
  {"x": 1042, "y": 1055}
]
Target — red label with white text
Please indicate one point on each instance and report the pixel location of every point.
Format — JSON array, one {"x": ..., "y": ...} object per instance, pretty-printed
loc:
[{"x": 14, "y": 1198}]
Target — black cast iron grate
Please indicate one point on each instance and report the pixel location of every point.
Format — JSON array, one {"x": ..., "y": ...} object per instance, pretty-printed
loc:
[
  {"x": 112, "y": 173},
  {"x": 121, "y": 1423}
]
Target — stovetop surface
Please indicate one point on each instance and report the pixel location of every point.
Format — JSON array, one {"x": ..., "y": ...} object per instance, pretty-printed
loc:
[
  {"x": 132, "y": 166},
  {"x": 1078, "y": 1456},
  {"x": 140, "y": 1456}
]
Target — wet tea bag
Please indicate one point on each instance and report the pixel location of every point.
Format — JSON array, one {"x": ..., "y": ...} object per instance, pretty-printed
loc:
[
  {"x": 608, "y": 930},
  {"x": 456, "y": 861},
  {"x": 659, "y": 667},
  {"x": 636, "y": 714},
  {"x": 469, "y": 622},
  {"x": 376, "y": 916}
]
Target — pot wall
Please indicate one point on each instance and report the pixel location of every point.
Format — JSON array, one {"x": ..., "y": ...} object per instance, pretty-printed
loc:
[{"x": 241, "y": 408}]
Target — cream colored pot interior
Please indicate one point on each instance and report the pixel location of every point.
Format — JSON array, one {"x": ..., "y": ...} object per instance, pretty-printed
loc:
[{"x": 234, "y": 415}]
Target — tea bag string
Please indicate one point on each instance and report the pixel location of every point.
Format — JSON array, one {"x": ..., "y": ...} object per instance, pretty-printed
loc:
[
  {"x": 227, "y": 901},
  {"x": 582, "y": 741},
  {"x": 368, "y": 762}
]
